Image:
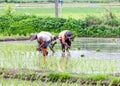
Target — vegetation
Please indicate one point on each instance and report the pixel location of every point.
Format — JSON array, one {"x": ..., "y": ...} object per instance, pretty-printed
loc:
[
  {"x": 20, "y": 60},
  {"x": 23, "y": 55},
  {"x": 90, "y": 27},
  {"x": 17, "y": 59},
  {"x": 69, "y": 10},
  {"x": 58, "y": 77},
  {"x": 98, "y": 1}
]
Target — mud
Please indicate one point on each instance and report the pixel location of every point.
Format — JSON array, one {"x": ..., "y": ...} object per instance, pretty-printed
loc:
[
  {"x": 44, "y": 75},
  {"x": 13, "y": 39}
]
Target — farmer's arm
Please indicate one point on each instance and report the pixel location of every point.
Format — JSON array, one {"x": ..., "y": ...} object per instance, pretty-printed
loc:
[
  {"x": 50, "y": 46},
  {"x": 63, "y": 42},
  {"x": 42, "y": 43}
]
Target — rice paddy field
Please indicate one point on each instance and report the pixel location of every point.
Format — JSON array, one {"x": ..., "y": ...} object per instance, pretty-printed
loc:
[
  {"x": 67, "y": 10},
  {"x": 86, "y": 56},
  {"x": 82, "y": 56}
]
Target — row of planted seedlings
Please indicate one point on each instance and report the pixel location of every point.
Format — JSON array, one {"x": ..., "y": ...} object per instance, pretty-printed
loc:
[
  {"x": 23, "y": 55},
  {"x": 26, "y": 77},
  {"x": 16, "y": 82}
]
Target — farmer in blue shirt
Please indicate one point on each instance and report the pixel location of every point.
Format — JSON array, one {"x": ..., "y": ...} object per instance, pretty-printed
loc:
[{"x": 61, "y": 2}]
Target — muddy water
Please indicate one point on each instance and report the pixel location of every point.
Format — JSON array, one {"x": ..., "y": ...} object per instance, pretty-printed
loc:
[
  {"x": 91, "y": 54},
  {"x": 106, "y": 50},
  {"x": 84, "y": 47},
  {"x": 94, "y": 48}
]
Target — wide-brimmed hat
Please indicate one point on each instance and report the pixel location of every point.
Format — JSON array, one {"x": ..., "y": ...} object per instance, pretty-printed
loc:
[{"x": 69, "y": 34}]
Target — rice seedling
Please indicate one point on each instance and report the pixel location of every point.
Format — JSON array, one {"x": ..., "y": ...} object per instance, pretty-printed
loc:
[{"x": 23, "y": 55}]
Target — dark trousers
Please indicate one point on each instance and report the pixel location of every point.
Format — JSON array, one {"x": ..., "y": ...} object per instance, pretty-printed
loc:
[{"x": 63, "y": 45}]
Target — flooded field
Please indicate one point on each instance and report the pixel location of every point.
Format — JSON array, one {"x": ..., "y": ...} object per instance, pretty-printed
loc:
[
  {"x": 87, "y": 55},
  {"x": 98, "y": 47}
]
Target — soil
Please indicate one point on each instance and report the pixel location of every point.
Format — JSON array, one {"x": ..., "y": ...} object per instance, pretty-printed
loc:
[
  {"x": 13, "y": 39},
  {"x": 25, "y": 74}
]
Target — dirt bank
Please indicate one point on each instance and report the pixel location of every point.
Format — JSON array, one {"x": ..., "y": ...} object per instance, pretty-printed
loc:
[
  {"x": 13, "y": 39},
  {"x": 47, "y": 75}
]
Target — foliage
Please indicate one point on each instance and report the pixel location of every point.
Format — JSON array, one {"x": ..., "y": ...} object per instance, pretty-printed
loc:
[
  {"x": 98, "y": 77},
  {"x": 91, "y": 20},
  {"x": 92, "y": 1},
  {"x": 9, "y": 10},
  {"x": 12, "y": 24},
  {"x": 59, "y": 76}
]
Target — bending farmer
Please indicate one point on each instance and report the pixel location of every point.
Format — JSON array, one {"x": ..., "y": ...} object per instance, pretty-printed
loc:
[
  {"x": 65, "y": 39},
  {"x": 44, "y": 41}
]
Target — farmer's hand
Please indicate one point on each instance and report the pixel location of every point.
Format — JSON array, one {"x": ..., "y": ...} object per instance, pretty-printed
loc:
[
  {"x": 38, "y": 49},
  {"x": 53, "y": 51},
  {"x": 68, "y": 46}
]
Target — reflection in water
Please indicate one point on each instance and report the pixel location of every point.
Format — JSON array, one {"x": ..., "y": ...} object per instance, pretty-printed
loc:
[
  {"x": 107, "y": 59},
  {"x": 104, "y": 44},
  {"x": 63, "y": 64}
]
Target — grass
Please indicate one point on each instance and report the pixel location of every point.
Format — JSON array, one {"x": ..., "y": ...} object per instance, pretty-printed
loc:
[
  {"x": 32, "y": 76},
  {"x": 16, "y": 82},
  {"x": 69, "y": 10}
]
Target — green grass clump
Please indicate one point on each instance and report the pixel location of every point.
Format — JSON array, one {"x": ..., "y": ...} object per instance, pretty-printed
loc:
[
  {"x": 97, "y": 50},
  {"x": 82, "y": 55},
  {"x": 59, "y": 76},
  {"x": 79, "y": 48},
  {"x": 98, "y": 77},
  {"x": 114, "y": 79}
]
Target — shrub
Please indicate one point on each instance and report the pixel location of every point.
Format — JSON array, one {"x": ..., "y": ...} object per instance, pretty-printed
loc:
[
  {"x": 26, "y": 24},
  {"x": 92, "y": 20},
  {"x": 98, "y": 31},
  {"x": 112, "y": 22}
]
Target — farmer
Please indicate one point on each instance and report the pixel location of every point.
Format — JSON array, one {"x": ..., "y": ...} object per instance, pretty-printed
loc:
[
  {"x": 44, "y": 40},
  {"x": 53, "y": 38},
  {"x": 61, "y": 2},
  {"x": 65, "y": 39}
]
